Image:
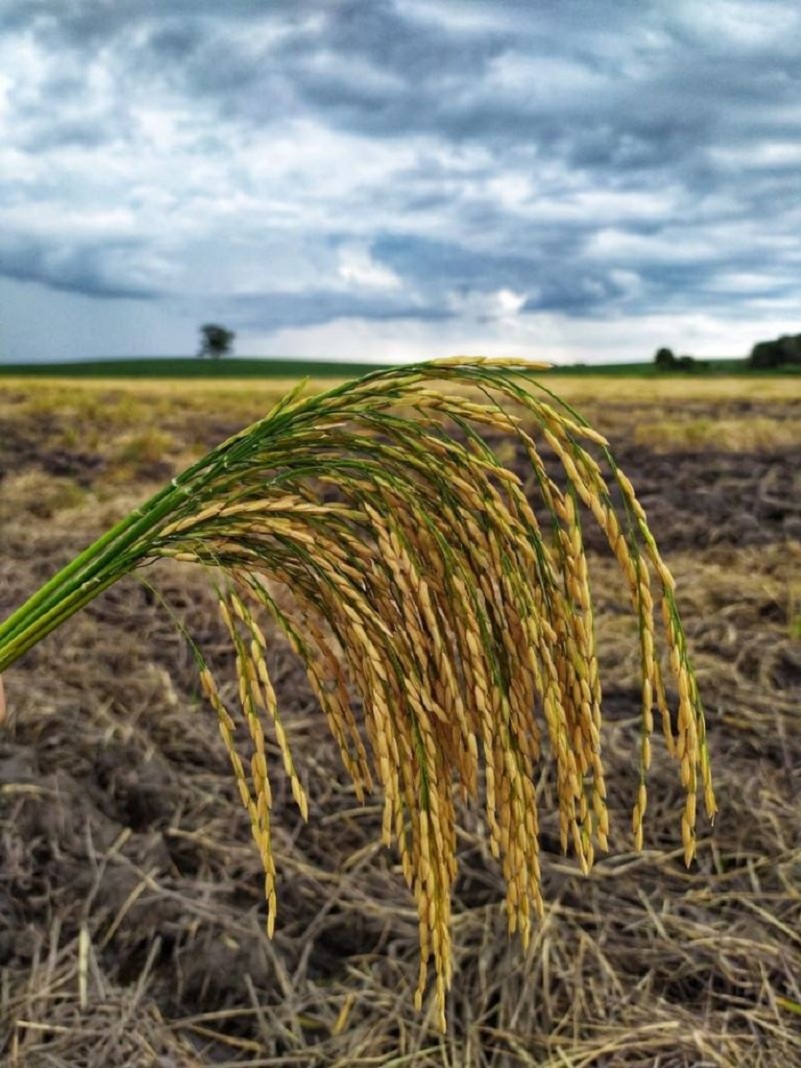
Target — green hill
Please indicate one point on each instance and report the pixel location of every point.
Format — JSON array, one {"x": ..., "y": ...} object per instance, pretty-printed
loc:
[
  {"x": 184, "y": 367},
  {"x": 285, "y": 367}
]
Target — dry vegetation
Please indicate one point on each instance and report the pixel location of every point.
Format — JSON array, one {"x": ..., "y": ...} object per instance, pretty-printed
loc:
[{"x": 131, "y": 905}]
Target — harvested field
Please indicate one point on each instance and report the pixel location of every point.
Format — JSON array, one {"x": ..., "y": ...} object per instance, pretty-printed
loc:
[{"x": 131, "y": 909}]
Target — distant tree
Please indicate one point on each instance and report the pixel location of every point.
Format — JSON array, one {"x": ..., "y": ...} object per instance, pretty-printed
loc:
[
  {"x": 779, "y": 353},
  {"x": 685, "y": 363},
  {"x": 791, "y": 346},
  {"x": 665, "y": 360},
  {"x": 215, "y": 340},
  {"x": 765, "y": 354}
]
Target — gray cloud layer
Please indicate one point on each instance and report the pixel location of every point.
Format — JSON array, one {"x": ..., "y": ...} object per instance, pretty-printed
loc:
[{"x": 406, "y": 160}]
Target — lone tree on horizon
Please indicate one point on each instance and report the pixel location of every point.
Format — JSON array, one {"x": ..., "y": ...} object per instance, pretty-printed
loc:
[
  {"x": 215, "y": 341},
  {"x": 665, "y": 359}
]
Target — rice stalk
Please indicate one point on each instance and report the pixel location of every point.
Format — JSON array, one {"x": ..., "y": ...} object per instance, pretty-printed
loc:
[{"x": 409, "y": 569}]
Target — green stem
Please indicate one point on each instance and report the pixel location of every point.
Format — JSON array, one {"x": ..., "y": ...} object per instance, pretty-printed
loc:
[
  {"x": 99, "y": 565},
  {"x": 87, "y": 564},
  {"x": 40, "y": 625},
  {"x": 67, "y": 591}
]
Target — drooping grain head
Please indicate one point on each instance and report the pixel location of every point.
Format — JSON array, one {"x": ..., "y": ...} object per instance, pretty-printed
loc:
[
  {"x": 458, "y": 606},
  {"x": 403, "y": 562}
]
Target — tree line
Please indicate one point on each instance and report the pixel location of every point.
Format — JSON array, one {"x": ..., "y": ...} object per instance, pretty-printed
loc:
[{"x": 784, "y": 351}]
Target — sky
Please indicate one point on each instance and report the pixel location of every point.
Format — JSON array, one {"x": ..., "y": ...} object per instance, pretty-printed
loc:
[{"x": 582, "y": 180}]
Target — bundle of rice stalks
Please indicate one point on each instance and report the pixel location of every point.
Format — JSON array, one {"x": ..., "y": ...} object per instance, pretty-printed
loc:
[{"x": 409, "y": 568}]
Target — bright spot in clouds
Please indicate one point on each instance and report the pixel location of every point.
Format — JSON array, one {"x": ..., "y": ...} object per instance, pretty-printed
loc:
[{"x": 357, "y": 267}]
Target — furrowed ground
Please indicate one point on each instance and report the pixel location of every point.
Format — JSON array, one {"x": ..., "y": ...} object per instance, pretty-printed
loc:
[{"x": 131, "y": 911}]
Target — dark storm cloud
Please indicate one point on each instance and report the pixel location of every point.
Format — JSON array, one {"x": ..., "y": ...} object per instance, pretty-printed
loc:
[
  {"x": 88, "y": 270},
  {"x": 634, "y": 143},
  {"x": 277, "y": 311},
  {"x": 384, "y": 69}
]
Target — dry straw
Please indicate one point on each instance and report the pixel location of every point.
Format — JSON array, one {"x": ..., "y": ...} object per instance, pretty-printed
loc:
[{"x": 410, "y": 570}]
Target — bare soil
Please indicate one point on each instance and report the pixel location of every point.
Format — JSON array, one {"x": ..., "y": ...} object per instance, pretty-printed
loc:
[{"x": 131, "y": 909}]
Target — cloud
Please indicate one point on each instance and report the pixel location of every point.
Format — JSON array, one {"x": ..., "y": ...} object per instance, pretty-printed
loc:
[
  {"x": 463, "y": 162},
  {"x": 111, "y": 270},
  {"x": 266, "y": 312},
  {"x": 358, "y": 269}
]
